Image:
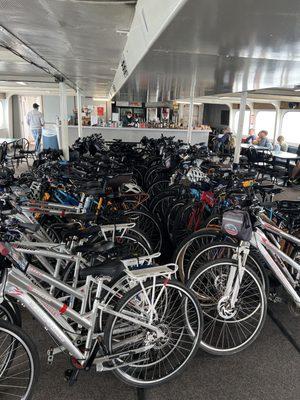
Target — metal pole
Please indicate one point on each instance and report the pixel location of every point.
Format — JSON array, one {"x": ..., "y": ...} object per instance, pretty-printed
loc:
[
  {"x": 79, "y": 108},
  {"x": 240, "y": 128},
  {"x": 231, "y": 117},
  {"x": 64, "y": 134},
  {"x": 191, "y": 109},
  {"x": 277, "y": 127}
]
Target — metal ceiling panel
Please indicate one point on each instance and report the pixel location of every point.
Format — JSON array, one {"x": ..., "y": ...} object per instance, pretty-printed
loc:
[
  {"x": 78, "y": 37},
  {"x": 13, "y": 67},
  {"x": 232, "y": 45}
]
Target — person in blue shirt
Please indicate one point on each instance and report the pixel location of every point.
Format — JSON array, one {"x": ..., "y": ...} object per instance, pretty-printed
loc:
[
  {"x": 263, "y": 141},
  {"x": 250, "y": 139},
  {"x": 280, "y": 145}
]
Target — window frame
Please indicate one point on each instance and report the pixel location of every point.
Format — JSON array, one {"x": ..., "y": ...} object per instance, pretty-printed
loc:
[{"x": 2, "y": 115}]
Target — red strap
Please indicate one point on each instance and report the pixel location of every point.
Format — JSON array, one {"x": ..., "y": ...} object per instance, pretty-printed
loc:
[
  {"x": 166, "y": 281},
  {"x": 63, "y": 309}
]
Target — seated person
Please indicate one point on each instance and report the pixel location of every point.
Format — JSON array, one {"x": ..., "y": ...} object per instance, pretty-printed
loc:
[
  {"x": 263, "y": 141},
  {"x": 250, "y": 139},
  {"x": 280, "y": 145},
  {"x": 222, "y": 139},
  {"x": 128, "y": 120}
]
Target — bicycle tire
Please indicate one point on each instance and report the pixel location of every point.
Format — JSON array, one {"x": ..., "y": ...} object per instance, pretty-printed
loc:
[{"x": 127, "y": 299}]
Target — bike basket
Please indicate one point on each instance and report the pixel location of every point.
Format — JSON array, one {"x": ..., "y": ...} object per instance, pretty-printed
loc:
[{"x": 237, "y": 223}]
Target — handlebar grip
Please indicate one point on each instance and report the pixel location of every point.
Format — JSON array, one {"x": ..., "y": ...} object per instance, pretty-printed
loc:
[{"x": 3, "y": 250}]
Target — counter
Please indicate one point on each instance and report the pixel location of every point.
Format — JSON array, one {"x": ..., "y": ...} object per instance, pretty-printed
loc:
[{"x": 136, "y": 134}]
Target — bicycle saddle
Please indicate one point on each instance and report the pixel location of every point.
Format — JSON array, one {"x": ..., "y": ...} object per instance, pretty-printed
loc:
[
  {"x": 93, "y": 248},
  {"x": 80, "y": 233},
  {"x": 108, "y": 268},
  {"x": 30, "y": 227},
  {"x": 80, "y": 217}
]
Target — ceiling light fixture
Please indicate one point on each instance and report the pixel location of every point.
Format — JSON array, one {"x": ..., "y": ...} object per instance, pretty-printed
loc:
[
  {"x": 100, "y": 99},
  {"x": 187, "y": 102},
  {"x": 21, "y": 83},
  {"x": 122, "y": 31}
]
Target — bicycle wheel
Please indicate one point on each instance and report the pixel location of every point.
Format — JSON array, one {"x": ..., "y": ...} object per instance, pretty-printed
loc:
[
  {"x": 158, "y": 187},
  {"x": 145, "y": 222},
  {"x": 19, "y": 363},
  {"x": 219, "y": 250},
  {"x": 149, "y": 359},
  {"x": 228, "y": 329},
  {"x": 190, "y": 245},
  {"x": 10, "y": 312},
  {"x": 180, "y": 225}
]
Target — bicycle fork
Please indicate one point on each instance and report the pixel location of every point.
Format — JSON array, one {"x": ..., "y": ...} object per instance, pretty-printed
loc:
[{"x": 236, "y": 273}]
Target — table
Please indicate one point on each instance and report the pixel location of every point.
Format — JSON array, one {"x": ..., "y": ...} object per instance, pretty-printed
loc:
[
  {"x": 258, "y": 148},
  {"x": 8, "y": 140},
  {"x": 284, "y": 155}
]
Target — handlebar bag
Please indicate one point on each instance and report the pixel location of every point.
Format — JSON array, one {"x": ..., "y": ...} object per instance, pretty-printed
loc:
[{"x": 237, "y": 223}]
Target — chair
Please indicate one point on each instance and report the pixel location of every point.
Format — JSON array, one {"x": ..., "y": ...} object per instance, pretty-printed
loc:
[
  {"x": 26, "y": 149},
  {"x": 21, "y": 152},
  {"x": 259, "y": 161}
]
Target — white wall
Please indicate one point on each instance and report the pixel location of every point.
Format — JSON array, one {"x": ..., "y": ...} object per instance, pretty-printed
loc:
[
  {"x": 51, "y": 107},
  {"x": 135, "y": 134}
]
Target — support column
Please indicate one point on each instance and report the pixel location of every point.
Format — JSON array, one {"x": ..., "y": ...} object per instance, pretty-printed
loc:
[
  {"x": 252, "y": 118},
  {"x": 240, "y": 128},
  {"x": 231, "y": 117},
  {"x": 64, "y": 134},
  {"x": 278, "y": 121},
  {"x": 191, "y": 109},
  {"x": 79, "y": 108}
]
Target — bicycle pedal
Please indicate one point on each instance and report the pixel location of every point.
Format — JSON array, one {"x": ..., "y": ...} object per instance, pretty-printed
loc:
[{"x": 71, "y": 376}]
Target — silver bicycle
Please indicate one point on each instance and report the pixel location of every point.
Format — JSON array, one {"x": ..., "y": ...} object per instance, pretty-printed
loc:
[
  {"x": 233, "y": 298},
  {"x": 150, "y": 334}
]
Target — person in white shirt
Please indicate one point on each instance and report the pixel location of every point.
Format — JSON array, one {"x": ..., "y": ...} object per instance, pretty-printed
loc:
[{"x": 35, "y": 120}]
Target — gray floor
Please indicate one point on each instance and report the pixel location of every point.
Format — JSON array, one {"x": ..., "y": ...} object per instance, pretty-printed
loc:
[{"x": 269, "y": 369}]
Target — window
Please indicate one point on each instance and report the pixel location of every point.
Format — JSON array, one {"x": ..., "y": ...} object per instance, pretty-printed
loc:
[
  {"x": 246, "y": 122},
  {"x": 291, "y": 126},
  {"x": 224, "y": 117},
  {"x": 1, "y": 115},
  {"x": 265, "y": 120}
]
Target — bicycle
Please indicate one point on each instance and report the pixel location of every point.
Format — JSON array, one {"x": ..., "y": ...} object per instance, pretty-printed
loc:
[
  {"x": 149, "y": 337},
  {"x": 231, "y": 295}
]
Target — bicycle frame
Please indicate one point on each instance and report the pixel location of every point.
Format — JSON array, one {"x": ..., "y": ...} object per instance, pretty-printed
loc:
[
  {"x": 268, "y": 250},
  {"x": 51, "y": 312}
]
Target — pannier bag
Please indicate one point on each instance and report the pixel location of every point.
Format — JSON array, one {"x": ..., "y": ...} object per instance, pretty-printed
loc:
[{"x": 237, "y": 223}]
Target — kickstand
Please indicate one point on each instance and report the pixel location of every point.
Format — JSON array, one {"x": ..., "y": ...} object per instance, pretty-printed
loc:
[{"x": 140, "y": 394}]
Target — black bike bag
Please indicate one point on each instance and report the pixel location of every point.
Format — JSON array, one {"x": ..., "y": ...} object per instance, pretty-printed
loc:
[{"x": 237, "y": 223}]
